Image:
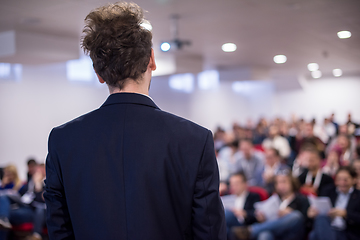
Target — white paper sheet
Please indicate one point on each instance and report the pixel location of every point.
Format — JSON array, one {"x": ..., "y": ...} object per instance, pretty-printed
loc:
[
  {"x": 321, "y": 204},
  {"x": 269, "y": 207},
  {"x": 228, "y": 201}
]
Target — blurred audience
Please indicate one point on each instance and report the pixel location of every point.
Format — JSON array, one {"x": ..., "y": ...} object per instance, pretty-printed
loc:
[
  {"x": 273, "y": 166},
  {"x": 241, "y": 212},
  {"x": 24, "y": 204},
  {"x": 343, "y": 221},
  {"x": 275, "y": 140},
  {"x": 249, "y": 161},
  {"x": 291, "y": 214},
  {"x": 313, "y": 179}
]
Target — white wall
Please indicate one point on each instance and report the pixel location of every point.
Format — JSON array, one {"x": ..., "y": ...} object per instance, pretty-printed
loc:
[{"x": 44, "y": 98}]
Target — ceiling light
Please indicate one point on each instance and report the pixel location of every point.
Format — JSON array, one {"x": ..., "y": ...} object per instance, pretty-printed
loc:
[
  {"x": 337, "y": 72},
  {"x": 165, "y": 46},
  {"x": 316, "y": 74},
  {"x": 146, "y": 24},
  {"x": 279, "y": 59},
  {"x": 228, "y": 47},
  {"x": 313, "y": 67},
  {"x": 344, "y": 34}
]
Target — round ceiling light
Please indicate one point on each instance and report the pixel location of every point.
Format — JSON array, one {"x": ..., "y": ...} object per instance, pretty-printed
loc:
[
  {"x": 316, "y": 74},
  {"x": 228, "y": 47},
  {"x": 337, "y": 72},
  {"x": 313, "y": 67},
  {"x": 344, "y": 34},
  {"x": 279, "y": 59}
]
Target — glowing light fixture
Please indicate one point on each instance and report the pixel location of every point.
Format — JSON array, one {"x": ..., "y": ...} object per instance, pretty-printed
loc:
[
  {"x": 279, "y": 59},
  {"x": 208, "y": 79},
  {"x": 316, "y": 74},
  {"x": 344, "y": 34},
  {"x": 337, "y": 72},
  {"x": 165, "y": 46},
  {"x": 313, "y": 67},
  {"x": 229, "y": 47}
]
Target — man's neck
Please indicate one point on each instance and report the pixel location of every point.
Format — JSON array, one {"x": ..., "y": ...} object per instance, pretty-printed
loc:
[
  {"x": 132, "y": 86},
  {"x": 314, "y": 172}
]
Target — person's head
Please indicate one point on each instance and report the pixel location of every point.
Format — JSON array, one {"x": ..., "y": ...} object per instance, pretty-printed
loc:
[
  {"x": 309, "y": 130},
  {"x": 356, "y": 166},
  {"x": 31, "y": 164},
  {"x": 286, "y": 184},
  {"x": 343, "y": 129},
  {"x": 246, "y": 147},
  {"x": 120, "y": 48},
  {"x": 333, "y": 157},
  {"x": 11, "y": 173},
  {"x": 238, "y": 183},
  {"x": 272, "y": 156},
  {"x": 343, "y": 142},
  {"x": 273, "y": 131},
  {"x": 314, "y": 159},
  {"x": 345, "y": 178}
]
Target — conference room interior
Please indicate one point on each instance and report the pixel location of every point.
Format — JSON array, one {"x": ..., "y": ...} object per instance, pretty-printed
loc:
[{"x": 273, "y": 80}]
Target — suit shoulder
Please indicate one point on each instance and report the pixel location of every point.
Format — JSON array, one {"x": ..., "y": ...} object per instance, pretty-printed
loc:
[
  {"x": 180, "y": 123},
  {"x": 71, "y": 125}
]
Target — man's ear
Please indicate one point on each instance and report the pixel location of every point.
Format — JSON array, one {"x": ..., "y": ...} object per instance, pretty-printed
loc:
[
  {"x": 152, "y": 64},
  {"x": 100, "y": 78}
]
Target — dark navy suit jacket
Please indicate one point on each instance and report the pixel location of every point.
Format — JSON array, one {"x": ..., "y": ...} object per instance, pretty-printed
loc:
[{"x": 131, "y": 171}]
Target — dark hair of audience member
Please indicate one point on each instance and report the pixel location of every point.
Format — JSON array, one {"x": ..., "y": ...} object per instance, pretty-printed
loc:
[
  {"x": 31, "y": 162},
  {"x": 349, "y": 169},
  {"x": 240, "y": 174},
  {"x": 295, "y": 184}
]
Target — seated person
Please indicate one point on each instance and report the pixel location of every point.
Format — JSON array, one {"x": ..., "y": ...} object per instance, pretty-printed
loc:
[
  {"x": 292, "y": 210},
  {"x": 313, "y": 180},
  {"x": 356, "y": 166},
  {"x": 272, "y": 167},
  {"x": 250, "y": 162},
  {"x": 30, "y": 207},
  {"x": 342, "y": 221},
  {"x": 242, "y": 211},
  {"x": 10, "y": 179},
  {"x": 332, "y": 163}
]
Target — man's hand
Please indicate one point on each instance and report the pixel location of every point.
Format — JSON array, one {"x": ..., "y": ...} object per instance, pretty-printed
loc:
[
  {"x": 260, "y": 216},
  {"x": 239, "y": 213},
  {"x": 336, "y": 212},
  {"x": 284, "y": 212},
  {"x": 312, "y": 212}
]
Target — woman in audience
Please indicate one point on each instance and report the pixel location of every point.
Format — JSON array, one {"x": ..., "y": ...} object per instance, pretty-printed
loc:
[
  {"x": 332, "y": 163},
  {"x": 10, "y": 179},
  {"x": 291, "y": 216},
  {"x": 342, "y": 221},
  {"x": 356, "y": 166}
]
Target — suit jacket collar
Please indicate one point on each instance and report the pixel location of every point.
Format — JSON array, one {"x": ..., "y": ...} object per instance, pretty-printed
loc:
[{"x": 129, "y": 98}]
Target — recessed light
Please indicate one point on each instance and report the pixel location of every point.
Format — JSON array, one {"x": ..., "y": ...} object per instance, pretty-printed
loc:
[
  {"x": 337, "y": 72},
  {"x": 313, "y": 67},
  {"x": 316, "y": 74},
  {"x": 146, "y": 24},
  {"x": 228, "y": 47},
  {"x": 279, "y": 59},
  {"x": 165, "y": 46},
  {"x": 344, "y": 34}
]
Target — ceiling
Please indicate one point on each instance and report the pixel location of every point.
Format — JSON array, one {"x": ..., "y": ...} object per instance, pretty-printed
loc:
[{"x": 304, "y": 30}]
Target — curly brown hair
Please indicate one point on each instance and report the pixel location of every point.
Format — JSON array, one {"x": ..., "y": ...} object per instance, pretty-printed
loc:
[{"x": 118, "y": 45}]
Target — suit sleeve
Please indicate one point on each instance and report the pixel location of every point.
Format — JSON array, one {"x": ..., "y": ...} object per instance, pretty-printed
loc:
[
  {"x": 57, "y": 215},
  {"x": 208, "y": 219}
]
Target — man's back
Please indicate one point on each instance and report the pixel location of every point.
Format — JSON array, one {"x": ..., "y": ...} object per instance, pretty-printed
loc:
[{"x": 131, "y": 171}]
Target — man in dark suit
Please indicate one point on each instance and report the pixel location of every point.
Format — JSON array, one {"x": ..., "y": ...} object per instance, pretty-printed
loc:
[
  {"x": 129, "y": 170},
  {"x": 313, "y": 180},
  {"x": 343, "y": 220},
  {"x": 239, "y": 205}
]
